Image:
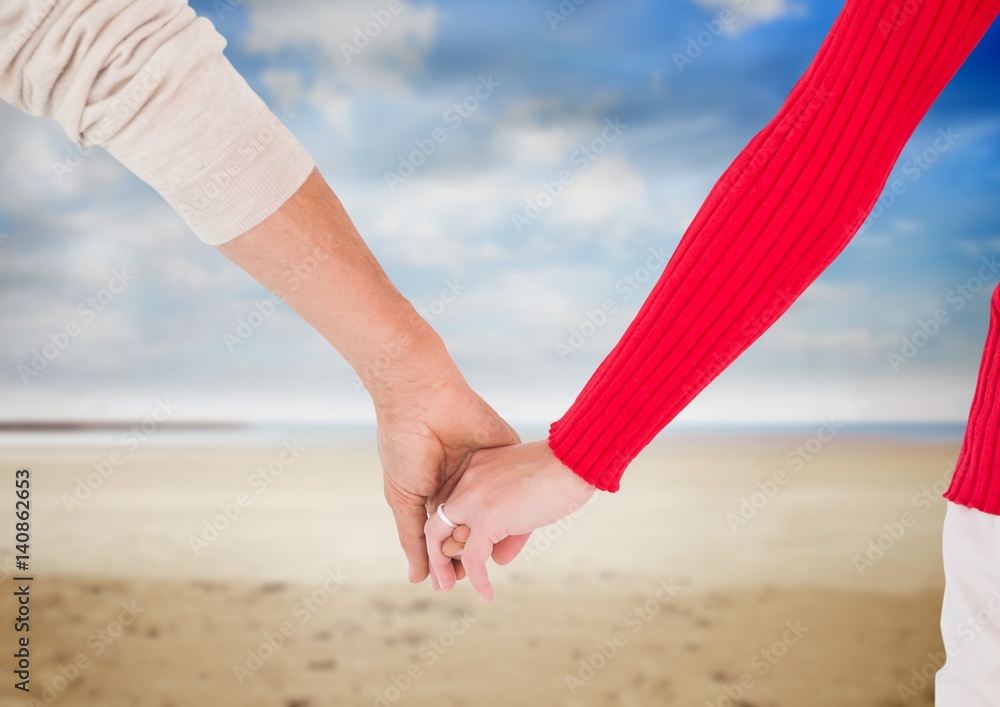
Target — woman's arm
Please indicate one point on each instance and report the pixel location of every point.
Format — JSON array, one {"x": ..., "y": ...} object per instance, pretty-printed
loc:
[
  {"x": 778, "y": 216},
  {"x": 783, "y": 211}
]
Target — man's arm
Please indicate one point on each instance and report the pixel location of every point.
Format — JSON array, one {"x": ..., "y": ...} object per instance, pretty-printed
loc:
[
  {"x": 148, "y": 81},
  {"x": 430, "y": 421}
]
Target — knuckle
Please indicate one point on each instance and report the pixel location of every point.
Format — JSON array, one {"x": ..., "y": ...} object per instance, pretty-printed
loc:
[{"x": 475, "y": 554}]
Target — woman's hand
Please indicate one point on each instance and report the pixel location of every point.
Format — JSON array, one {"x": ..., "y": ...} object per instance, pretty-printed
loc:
[{"x": 503, "y": 495}]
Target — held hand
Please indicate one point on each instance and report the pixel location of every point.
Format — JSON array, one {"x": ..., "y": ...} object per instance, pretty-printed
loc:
[
  {"x": 503, "y": 495},
  {"x": 427, "y": 434}
]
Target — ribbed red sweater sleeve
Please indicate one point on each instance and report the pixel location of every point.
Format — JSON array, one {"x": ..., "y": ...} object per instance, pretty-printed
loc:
[
  {"x": 976, "y": 482},
  {"x": 778, "y": 216}
]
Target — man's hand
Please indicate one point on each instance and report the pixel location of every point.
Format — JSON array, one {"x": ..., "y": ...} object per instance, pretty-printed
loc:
[{"x": 426, "y": 437}]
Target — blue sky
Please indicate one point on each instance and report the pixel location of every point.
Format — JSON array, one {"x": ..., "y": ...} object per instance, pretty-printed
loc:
[{"x": 552, "y": 85}]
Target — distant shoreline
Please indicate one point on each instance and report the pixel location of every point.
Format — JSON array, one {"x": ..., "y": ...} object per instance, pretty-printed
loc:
[
  {"x": 112, "y": 425},
  {"x": 238, "y": 433}
]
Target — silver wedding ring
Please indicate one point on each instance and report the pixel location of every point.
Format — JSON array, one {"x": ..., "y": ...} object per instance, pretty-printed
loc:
[{"x": 445, "y": 519}]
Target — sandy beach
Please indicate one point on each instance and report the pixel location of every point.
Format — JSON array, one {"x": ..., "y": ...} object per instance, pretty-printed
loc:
[{"x": 728, "y": 571}]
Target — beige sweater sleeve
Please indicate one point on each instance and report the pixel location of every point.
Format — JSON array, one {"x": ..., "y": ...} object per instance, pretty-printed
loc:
[{"x": 147, "y": 80}]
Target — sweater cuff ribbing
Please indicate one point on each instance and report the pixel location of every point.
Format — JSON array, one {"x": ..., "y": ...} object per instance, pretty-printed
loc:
[
  {"x": 244, "y": 184},
  {"x": 605, "y": 475}
]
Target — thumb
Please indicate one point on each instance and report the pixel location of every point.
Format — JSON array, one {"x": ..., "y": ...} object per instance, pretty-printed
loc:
[
  {"x": 493, "y": 430},
  {"x": 510, "y": 547},
  {"x": 410, "y": 517},
  {"x": 455, "y": 543}
]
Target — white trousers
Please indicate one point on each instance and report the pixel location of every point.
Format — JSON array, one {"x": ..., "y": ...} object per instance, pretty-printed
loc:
[{"x": 970, "y": 614}]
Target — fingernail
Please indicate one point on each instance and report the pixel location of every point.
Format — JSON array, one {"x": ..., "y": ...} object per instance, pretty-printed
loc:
[{"x": 410, "y": 571}]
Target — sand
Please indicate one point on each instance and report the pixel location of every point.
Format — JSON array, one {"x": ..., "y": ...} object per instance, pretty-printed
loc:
[{"x": 649, "y": 597}]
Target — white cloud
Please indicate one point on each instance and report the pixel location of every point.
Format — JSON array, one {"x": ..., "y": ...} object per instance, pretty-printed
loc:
[
  {"x": 359, "y": 50},
  {"x": 32, "y": 148},
  {"x": 606, "y": 189},
  {"x": 747, "y": 13},
  {"x": 285, "y": 86},
  {"x": 978, "y": 249},
  {"x": 857, "y": 343},
  {"x": 529, "y": 144},
  {"x": 535, "y": 300},
  {"x": 427, "y": 220},
  {"x": 336, "y": 106}
]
